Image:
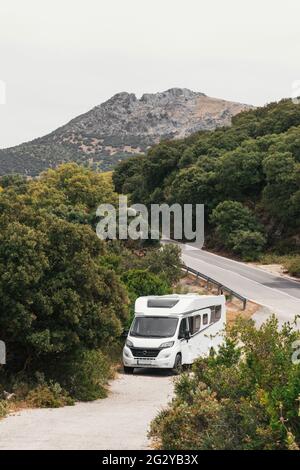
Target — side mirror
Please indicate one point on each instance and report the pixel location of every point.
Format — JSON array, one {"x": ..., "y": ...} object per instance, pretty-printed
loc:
[
  {"x": 125, "y": 333},
  {"x": 187, "y": 335}
]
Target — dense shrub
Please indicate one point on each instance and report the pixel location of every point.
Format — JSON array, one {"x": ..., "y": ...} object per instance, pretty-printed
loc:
[
  {"x": 237, "y": 229},
  {"x": 48, "y": 396},
  {"x": 86, "y": 374},
  {"x": 293, "y": 266},
  {"x": 248, "y": 244},
  {"x": 291, "y": 263},
  {"x": 244, "y": 397},
  {"x": 142, "y": 282},
  {"x": 56, "y": 296},
  {"x": 3, "y": 408}
]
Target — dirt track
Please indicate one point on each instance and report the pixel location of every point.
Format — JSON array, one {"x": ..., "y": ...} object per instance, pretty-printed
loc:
[{"x": 117, "y": 422}]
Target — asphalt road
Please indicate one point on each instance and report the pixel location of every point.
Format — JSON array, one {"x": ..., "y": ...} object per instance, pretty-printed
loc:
[
  {"x": 120, "y": 421},
  {"x": 279, "y": 294}
]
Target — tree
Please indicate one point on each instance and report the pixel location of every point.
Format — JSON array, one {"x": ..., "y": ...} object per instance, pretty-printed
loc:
[
  {"x": 237, "y": 229},
  {"x": 283, "y": 181},
  {"x": 231, "y": 216},
  {"x": 193, "y": 185},
  {"x": 56, "y": 295},
  {"x": 127, "y": 172},
  {"x": 80, "y": 185},
  {"x": 141, "y": 282},
  {"x": 240, "y": 174},
  {"x": 163, "y": 159}
]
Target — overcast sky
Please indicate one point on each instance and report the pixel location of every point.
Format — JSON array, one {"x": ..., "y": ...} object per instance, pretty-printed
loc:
[{"x": 59, "y": 58}]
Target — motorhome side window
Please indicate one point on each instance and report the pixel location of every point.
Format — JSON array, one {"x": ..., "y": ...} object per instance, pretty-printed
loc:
[
  {"x": 205, "y": 319},
  {"x": 194, "y": 323},
  {"x": 182, "y": 329},
  {"x": 215, "y": 313}
]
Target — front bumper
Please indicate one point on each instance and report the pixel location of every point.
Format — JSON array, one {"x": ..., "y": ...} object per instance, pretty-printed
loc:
[{"x": 164, "y": 360}]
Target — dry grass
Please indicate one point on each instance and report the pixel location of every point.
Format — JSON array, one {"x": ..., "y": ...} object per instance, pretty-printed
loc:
[{"x": 14, "y": 406}]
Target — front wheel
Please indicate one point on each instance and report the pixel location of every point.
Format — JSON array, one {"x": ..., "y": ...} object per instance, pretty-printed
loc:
[
  {"x": 177, "y": 369},
  {"x": 128, "y": 370}
]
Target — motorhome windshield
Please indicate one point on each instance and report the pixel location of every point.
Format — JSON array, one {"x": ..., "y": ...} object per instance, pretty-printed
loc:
[{"x": 154, "y": 327}]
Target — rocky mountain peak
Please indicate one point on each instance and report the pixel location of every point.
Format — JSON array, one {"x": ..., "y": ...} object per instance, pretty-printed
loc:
[
  {"x": 121, "y": 126},
  {"x": 122, "y": 98}
]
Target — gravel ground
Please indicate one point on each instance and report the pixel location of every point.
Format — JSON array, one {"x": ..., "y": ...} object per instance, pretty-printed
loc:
[{"x": 120, "y": 421}]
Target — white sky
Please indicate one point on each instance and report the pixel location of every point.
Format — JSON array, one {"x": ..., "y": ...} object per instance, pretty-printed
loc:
[{"x": 59, "y": 58}]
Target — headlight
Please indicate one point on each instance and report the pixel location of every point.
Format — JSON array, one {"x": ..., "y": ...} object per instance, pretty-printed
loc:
[
  {"x": 168, "y": 344},
  {"x": 129, "y": 343}
]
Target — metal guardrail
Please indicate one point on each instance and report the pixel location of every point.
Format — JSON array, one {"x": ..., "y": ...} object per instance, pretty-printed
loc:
[{"x": 221, "y": 287}]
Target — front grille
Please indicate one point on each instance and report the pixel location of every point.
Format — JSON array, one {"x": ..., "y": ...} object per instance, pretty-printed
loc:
[{"x": 137, "y": 352}]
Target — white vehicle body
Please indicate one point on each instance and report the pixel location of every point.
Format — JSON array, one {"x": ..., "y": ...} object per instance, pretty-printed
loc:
[{"x": 165, "y": 327}]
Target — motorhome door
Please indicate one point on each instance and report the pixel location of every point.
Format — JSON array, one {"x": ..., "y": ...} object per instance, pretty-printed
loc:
[
  {"x": 185, "y": 344},
  {"x": 200, "y": 341}
]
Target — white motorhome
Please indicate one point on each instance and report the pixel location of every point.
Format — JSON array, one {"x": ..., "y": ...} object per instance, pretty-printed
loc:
[{"x": 173, "y": 330}]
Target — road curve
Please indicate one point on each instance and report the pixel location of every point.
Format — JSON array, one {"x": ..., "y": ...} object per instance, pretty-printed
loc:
[
  {"x": 279, "y": 294},
  {"x": 120, "y": 421}
]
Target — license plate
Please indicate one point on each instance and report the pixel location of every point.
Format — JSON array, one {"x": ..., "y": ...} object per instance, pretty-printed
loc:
[{"x": 144, "y": 363}]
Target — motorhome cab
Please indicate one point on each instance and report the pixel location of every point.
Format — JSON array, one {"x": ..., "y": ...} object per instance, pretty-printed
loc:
[{"x": 172, "y": 330}]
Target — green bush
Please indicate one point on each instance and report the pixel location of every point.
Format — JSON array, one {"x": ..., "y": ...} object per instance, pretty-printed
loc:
[
  {"x": 165, "y": 263},
  {"x": 247, "y": 244},
  {"x": 48, "y": 396},
  {"x": 142, "y": 282},
  {"x": 238, "y": 230},
  {"x": 82, "y": 375},
  {"x": 293, "y": 266},
  {"x": 3, "y": 408},
  {"x": 86, "y": 374},
  {"x": 244, "y": 397},
  {"x": 290, "y": 262}
]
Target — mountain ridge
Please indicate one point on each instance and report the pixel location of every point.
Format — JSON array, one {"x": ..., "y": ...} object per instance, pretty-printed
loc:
[{"x": 122, "y": 126}]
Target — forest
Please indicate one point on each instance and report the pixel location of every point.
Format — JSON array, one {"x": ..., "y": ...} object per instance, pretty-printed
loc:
[{"x": 246, "y": 175}]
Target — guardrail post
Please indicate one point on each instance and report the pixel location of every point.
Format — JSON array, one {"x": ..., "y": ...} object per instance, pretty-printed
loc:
[{"x": 220, "y": 287}]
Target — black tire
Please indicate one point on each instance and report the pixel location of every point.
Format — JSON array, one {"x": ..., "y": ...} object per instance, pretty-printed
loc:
[
  {"x": 128, "y": 370},
  {"x": 177, "y": 369}
]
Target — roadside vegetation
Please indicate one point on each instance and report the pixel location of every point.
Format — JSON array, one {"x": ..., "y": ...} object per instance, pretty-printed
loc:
[
  {"x": 246, "y": 397},
  {"x": 66, "y": 296},
  {"x": 247, "y": 175},
  {"x": 291, "y": 263}
]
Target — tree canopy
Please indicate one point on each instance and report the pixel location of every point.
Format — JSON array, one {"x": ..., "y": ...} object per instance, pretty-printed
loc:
[
  {"x": 255, "y": 162},
  {"x": 66, "y": 294}
]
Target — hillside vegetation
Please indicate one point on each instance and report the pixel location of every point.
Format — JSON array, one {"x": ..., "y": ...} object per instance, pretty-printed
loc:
[
  {"x": 66, "y": 295},
  {"x": 245, "y": 397},
  {"x": 247, "y": 175},
  {"x": 118, "y": 128}
]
